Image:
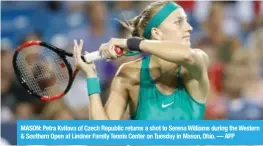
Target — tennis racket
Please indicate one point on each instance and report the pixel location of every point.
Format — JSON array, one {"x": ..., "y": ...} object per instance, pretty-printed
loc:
[{"x": 44, "y": 71}]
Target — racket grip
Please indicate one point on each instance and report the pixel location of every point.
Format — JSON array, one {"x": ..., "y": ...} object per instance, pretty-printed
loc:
[{"x": 95, "y": 56}]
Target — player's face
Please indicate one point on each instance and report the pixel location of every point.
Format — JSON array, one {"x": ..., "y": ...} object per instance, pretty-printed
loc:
[{"x": 175, "y": 27}]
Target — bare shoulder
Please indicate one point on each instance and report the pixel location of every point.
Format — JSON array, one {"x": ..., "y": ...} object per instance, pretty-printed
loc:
[
  {"x": 196, "y": 80},
  {"x": 201, "y": 57},
  {"x": 130, "y": 70}
]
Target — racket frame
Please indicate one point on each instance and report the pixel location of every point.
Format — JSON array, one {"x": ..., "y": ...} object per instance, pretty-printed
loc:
[{"x": 61, "y": 53}]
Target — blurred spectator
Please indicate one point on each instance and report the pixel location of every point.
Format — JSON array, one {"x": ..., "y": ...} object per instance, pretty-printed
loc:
[
  {"x": 254, "y": 89},
  {"x": 57, "y": 110},
  {"x": 200, "y": 11},
  {"x": 215, "y": 107},
  {"x": 237, "y": 78},
  {"x": 187, "y": 5},
  {"x": 62, "y": 114},
  {"x": 7, "y": 97},
  {"x": 255, "y": 50},
  {"x": 238, "y": 15},
  {"x": 24, "y": 111},
  {"x": 215, "y": 37},
  {"x": 6, "y": 114},
  {"x": 98, "y": 31},
  {"x": 216, "y": 67},
  {"x": 74, "y": 6},
  {"x": 236, "y": 75},
  {"x": 33, "y": 36},
  {"x": 258, "y": 19},
  {"x": 6, "y": 70},
  {"x": 255, "y": 47},
  {"x": 125, "y": 10},
  {"x": 54, "y": 6}
]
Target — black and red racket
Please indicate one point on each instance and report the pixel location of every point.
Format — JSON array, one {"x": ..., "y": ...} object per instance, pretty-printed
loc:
[{"x": 44, "y": 71}]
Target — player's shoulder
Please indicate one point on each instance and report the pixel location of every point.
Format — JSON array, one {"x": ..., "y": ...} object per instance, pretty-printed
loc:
[
  {"x": 131, "y": 65},
  {"x": 199, "y": 52},
  {"x": 130, "y": 69},
  {"x": 202, "y": 55}
]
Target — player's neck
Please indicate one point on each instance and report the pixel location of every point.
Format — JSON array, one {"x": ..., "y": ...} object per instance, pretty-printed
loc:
[
  {"x": 167, "y": 71},
  {"x": 165, "y": 66}
]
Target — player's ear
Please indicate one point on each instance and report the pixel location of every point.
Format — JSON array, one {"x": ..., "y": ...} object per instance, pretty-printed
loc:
[{"x": 156, "y": 34}]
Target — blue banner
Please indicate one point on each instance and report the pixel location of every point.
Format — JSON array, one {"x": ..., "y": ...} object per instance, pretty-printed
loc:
[{"x": 80, "y": 132}]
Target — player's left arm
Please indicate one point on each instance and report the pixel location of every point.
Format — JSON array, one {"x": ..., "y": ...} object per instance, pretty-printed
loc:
[{"x": 195, "y": 61}]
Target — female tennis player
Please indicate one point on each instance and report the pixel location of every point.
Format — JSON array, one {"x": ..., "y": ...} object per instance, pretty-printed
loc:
[{"x": 170, "y": 84}]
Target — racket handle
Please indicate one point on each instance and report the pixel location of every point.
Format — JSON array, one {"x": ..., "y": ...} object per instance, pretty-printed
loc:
[{"x": 95, "y": 56}]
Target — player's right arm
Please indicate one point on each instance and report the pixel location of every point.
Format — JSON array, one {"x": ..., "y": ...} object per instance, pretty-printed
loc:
[{"x": 117, "y": 101}]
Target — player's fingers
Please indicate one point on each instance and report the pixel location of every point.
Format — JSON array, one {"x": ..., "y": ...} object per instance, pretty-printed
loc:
[
  {"x": 76, "y": 43},
  {"x": 74, "y": 54},
  {"x": 101, "y": 49},
  {"x": 76, "y": 60},
  {"x": 113, "y": 53},
  {"x": 81, "y": 45},
  {"x": 78, "y": 52},
  {"x": 74, "y": 51},
  {"x": 76, "y": 48},
  {"x": 106, "y": 52}
]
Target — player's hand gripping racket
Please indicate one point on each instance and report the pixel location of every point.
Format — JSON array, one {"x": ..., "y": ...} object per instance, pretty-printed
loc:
[{"x": 43, "y": 70}]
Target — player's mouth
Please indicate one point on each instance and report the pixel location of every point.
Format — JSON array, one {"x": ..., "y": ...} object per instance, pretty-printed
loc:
[{"x": 186, "y": 37}]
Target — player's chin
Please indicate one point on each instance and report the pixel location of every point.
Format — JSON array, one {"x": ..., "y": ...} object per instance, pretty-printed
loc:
[{"x": 186, "y": 42}]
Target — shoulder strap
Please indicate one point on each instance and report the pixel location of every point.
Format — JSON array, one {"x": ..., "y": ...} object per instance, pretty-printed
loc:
[
  {"x": 144, "y": 75},
  {"x": 180, "y": 77},
  {"x": 179, "y": 70}
]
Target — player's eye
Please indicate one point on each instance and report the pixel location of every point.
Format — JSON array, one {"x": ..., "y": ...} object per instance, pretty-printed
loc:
[{"x": 178, "y": 22}]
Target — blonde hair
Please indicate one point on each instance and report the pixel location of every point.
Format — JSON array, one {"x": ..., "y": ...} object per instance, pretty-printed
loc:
[{"x": 137, "y": 25}]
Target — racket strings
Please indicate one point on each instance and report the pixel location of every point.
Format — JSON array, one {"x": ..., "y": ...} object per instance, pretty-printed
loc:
[{"x": 44, "y": 71}]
